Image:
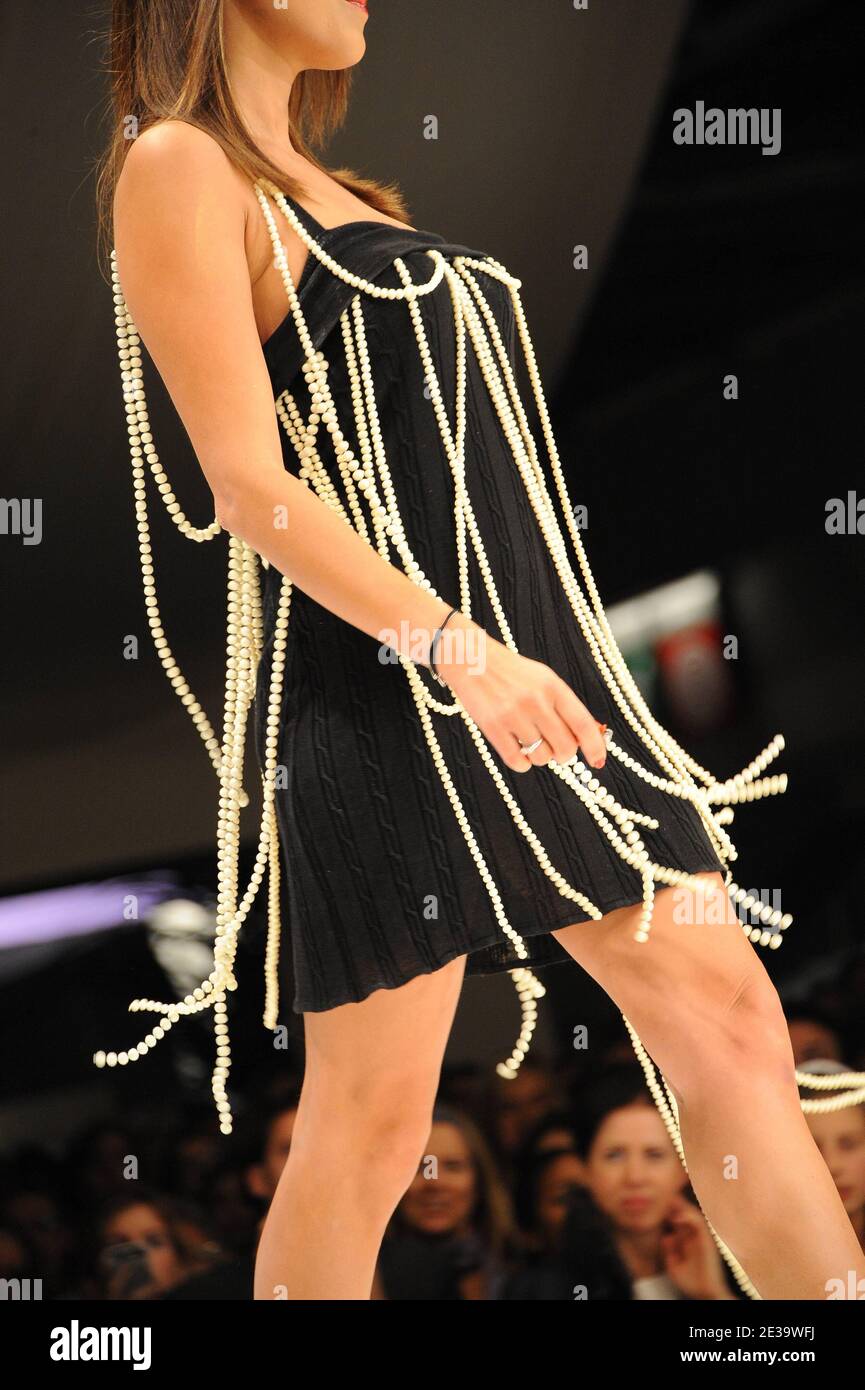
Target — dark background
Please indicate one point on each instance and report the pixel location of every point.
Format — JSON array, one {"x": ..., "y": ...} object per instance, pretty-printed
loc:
[{"x": 555, "y": 128}]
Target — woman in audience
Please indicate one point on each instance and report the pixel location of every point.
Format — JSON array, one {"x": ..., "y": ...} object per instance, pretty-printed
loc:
[
  {"x": 544, "y": 1185},
  {"x": 840, "y": 1137},
  {"x": 629, "y": 1232},
  {"x": 145, "y": 1244},
  {"x": 452, "y": 1233}
]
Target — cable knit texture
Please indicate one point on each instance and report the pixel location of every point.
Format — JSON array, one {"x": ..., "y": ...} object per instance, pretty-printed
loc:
[{"x": 380, "y": 883}]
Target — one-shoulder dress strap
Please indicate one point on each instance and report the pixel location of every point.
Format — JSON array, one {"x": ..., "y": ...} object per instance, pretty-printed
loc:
[
  {"x": 365, "y": 247},
  {"x": 311, "y": 223}
]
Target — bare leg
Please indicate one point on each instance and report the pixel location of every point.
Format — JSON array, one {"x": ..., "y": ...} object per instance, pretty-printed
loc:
[
  {"x": 365, "y": 1113},
  {"x": 709, "y": 1016}
]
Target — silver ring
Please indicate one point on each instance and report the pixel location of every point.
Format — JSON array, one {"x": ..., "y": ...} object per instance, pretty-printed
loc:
[{"x": 530, "y": 747}]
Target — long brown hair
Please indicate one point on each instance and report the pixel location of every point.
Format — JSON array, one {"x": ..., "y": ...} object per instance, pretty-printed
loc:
[{"x": 166, "y": 61}]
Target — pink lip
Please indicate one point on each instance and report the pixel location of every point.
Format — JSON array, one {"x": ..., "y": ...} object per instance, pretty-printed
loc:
[
  {"x": 636, "y": 1203},
  {"x": 361, "y": 4}
]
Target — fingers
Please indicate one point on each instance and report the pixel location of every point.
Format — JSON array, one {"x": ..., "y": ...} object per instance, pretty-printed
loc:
[
  {"x": 557, "y": 741},
  {"x": 524, "y": 762},
  {"x": 584, "y": 726},
  {"x": 552, "y": 713}
]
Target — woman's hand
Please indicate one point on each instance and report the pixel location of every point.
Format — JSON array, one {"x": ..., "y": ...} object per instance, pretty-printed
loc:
[
  {"x": 514, "y": 699},
  {"x": 691, "y": 1257}
]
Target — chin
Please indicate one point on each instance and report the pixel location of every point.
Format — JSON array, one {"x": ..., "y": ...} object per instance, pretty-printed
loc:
[
  {"x": 357, "y": 49},
  {"x": 325, "y": 35},
  {"x": 338, "y": 56}
]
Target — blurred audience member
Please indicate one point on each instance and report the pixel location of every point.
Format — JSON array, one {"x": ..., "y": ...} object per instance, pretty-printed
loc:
[
  {"x": 840, "y": 1137},
  {"x": 555, "y": 1131},
  {"x": 277, "y": 1127},
  {"x": 95, "y": 1163},
  {"x": 18, "y": 1260},
  {"x": 451, "y": 1235},
  {"x": 813, "y": 1033},
  {"x": 32, "y": 1209},
  {"x": 515, "y": 1107},
  {"x": 144, "y": 1244},
  {"x": 194, "y": 1156},
  {"x": 630, "y": 1233},
  {"x": 543, "y": 1187},
  {"x": 233, "y": 1278}
]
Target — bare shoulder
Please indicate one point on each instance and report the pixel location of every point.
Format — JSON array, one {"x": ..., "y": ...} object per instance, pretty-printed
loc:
[
  {"x": 179, "y": 221},
  {"x": 172, "y": 148},
  {"x": 172, "y": 170}
]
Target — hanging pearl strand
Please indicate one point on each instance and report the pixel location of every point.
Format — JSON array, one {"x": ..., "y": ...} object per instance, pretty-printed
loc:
[
  {"x": 733, "y": 790},
  {"x": 607, "y": 660},
  {"x": 459, "y": 476},
  {"x": 676, "y": 754},
  {"x": 723, "y": 846},
  {"x": 140, "y": 447},
  {"x": 669, "y": 1115},
  {"x": 359, "y": 362},
  {"x": 634, "y": 856},
  {"x": 388, "y": 523},
  {"x": 455, "y": 450},
  {"x": 244, "y": 630},
  {"x": 666, "y": 1105},
  {"x": 230, "y": 916},
  {"x": 831, "y": 1083},
  {"x": 243, "y": 658},
  {"x": 637, "y": 855},
  {"x": 622, "y": 814}
]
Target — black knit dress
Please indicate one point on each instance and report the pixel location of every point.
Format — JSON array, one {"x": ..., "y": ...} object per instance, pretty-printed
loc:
[{"x": 380, "y": 883}]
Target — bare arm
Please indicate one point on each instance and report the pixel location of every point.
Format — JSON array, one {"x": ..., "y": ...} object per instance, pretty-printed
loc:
[{"x": 179, "y": 238}]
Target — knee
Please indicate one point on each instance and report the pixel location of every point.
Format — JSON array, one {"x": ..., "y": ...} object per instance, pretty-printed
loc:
[
  {"x": 391, "y": 1134},
  {"x": 757, "y": 1027},
  {"x": 383, "y": 1122},
  {"x": 745, "y": 1043}
]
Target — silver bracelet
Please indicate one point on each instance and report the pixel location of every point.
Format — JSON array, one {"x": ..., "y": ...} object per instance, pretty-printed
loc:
[{"x": 432, "y": 651}]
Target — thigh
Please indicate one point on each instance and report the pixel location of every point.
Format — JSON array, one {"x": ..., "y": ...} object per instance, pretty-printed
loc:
[
  {"x": 388, "y": 1047},
  {"x": 694, "y": 987}
]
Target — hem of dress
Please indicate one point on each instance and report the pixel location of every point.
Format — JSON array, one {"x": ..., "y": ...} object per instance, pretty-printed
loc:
[{"x": 568, "y": 919}]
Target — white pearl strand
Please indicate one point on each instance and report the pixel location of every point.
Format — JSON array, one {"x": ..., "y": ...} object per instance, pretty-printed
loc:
[
  {"x": 245, "y": 635},
  {"x": 244, "y": 629},
  {"x": 311, "y": 470},
  {"x": 735, "y": 789},
  {"x": 386, "y": 520}
]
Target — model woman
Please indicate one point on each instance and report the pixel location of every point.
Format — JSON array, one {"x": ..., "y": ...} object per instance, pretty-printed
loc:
[{"x": 433, "y": 675}]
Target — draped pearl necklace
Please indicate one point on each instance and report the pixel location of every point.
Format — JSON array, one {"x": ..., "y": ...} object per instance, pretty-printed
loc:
[{"x": 367, "y": 479}]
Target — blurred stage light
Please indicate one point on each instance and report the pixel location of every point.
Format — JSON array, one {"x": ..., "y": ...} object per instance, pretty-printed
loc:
[{"x": 672, "y": 640}]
